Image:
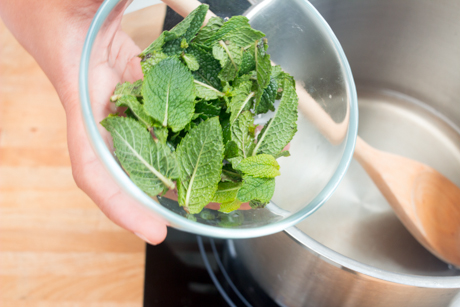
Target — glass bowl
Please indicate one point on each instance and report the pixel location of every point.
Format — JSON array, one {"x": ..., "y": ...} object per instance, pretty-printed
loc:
[{"x": 305, "y": 46}]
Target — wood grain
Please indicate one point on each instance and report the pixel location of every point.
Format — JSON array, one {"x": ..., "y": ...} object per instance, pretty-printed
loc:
[
  {"x": 424, "y": 200},
  {"x": 56, "y": 246}
]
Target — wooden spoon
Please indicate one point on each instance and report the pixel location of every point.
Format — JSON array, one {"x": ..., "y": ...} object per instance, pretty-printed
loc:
[{"x": 426, "y": 202}]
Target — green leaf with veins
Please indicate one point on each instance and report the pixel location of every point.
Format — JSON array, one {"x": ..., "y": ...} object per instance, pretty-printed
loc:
[
  {"x": 151, "y": 166},
  {"x": 226, "y": 131},
  {"x": 241, "y": 100},
  {"x": 261, "y": 166},
  {"x": 229, "y": 174},
  {"x": 200, "y": 155},
  {"x": 253, "y": 188},
  {"x": 137, "y": 109},
  {"x": 183, "y": 43},
  {"x": 161, "y": 133},
  {"x": 191, "y": 24},
  {"x": 207, "y": 110},
  {"x": 209, "y": 67},
  {"x": 241, "y": 135},
  {"x": 157, "y": 45},
  {"x": 206, "y": 92},
  {"x": 186, "y": 30},
  {"x": 280, "y": 129},
  {"x": 213, "y": 25},
  {"x": 263, "y": 70},
  {"x": 233, "y": 24},
  {"x": 190, "y": 61},
  {"x": 248, "y": 62},
  {"x": 226, "y": 192},
  {"x": 169, "y": 94},
  {"x": 230, "y": 58},
  {"x": 231, "y": 151},
  {"x": 243, "y": 37},
  {"x": 267, "y": 101},
  {"x": 127, "y": 88},
  {"x": 230, "y": 206},
  {"x": 280, "y": 76},
  {"x": 151, "y": 60}
]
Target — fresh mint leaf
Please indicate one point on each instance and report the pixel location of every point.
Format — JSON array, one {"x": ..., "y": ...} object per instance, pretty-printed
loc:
[
  {"x": 248, "y": 62},
  {"x": 230, "y": 206},
  {"x": 183, "y": 44},
  {"x": 200, "y": 155},
  {"x": 226, "y": 130},
  {"x": 137, "y": 109},
  {"x": 254, "y": 188},
  {"x": 284, "y": 153},
  {"x": 277, "y": 72},
  {"x": 209, "y": 67},
  {"x": 226, "y": 192},
  {"x": 130, "y": 114},
  {"x": 127, "y": 88},
  {"x": 268, "y": 98},
  {"x": 186, "y": 30},
  {"x": 233, "y": 24},
  {"x": 161, "y": 133},
  {"x": 242, "y": 137},
  {"x": 213, "y": 25},
  {"x": 261, "y": 166},
  {"x": 241, "y": 100},
  {"x": 230, "y": 58},
  {"x": 151, "y": 60},
  {"x": 243, "y": 37},
  {"x": 168, "y": 92},
  {"x": 207, "y": 110},
  {"x": 280, "y": 129},
  {"x": 280, "y": 76},
  {"x": 157, "y": 44},
  {"x": 255, "y": 204},
  {"x": 229, "y": 174},
  {"x": 263, "y": 70},
  {"x": 231, "y": 150},
  {"x": 191, "y": 62},
  {"x": 235, "y": 161},
  {"x": 191, "y": 24},
  {"x": 151, "y": 166},
  {"x": 206, "y": 92}
]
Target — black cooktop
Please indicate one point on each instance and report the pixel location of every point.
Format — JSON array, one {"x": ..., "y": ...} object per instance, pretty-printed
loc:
[{"x": 188, "y": 270}]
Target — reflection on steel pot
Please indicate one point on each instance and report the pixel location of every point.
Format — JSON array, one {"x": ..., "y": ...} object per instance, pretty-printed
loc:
[{"x": 405, "y": 58}]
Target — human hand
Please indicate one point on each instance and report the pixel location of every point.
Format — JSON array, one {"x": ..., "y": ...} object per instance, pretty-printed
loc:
[{"x": 54, "y": 32}]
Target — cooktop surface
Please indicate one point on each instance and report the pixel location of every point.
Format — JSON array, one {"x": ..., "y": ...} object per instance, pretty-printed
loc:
[{"x": 188, "y": 270}]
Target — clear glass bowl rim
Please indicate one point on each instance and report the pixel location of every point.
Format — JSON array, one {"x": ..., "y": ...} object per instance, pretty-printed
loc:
[{"x": 172, "y": 218}]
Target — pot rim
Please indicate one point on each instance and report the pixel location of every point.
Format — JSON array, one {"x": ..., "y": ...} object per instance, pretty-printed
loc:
[{"x": 346, "y": 263}]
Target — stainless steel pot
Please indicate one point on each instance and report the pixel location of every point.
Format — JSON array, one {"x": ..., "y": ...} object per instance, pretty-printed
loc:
[{"x": 405, "y": 58}]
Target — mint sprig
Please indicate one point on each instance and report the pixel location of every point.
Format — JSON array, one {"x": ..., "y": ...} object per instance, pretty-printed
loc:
[{"x": 190, "y": 122}]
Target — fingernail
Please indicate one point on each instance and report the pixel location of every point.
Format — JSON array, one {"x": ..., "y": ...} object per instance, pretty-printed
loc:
[{"x": 143, "y": 238}]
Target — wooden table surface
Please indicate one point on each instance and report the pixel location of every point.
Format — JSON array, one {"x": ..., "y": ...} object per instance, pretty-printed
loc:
[{"x": 56, "y": 246}]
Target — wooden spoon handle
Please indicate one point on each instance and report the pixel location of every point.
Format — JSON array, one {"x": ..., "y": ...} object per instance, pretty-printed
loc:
[
  {"x": 185, "y": 7},
  {"x": 334, "y": 132}
]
